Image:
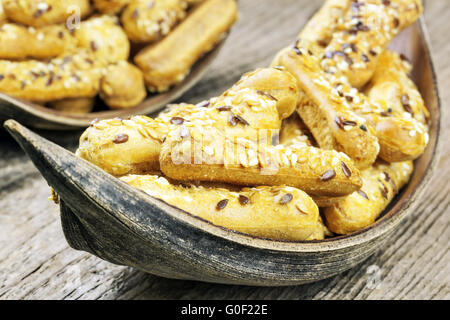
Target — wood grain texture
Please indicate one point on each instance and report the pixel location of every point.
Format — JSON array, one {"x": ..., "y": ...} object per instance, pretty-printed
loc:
[{"x": 36, "y": 262}]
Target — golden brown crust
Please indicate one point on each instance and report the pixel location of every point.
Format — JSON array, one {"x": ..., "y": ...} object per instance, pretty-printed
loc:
[
  {"x": 360, "y": 209},
  {"x": 74, "y": 74},
  {"x": 258, "y": 109},
  {"x": 71, "y": 76},
  {"x": 149, "y": 21},
  {"x": 105, "y": 39},
  {"x": 122, "y": 86},
  {"x": 251, "y": 210},
  {"x": 123, "y": 146},
  {"x": 46, "y": 12},
  {"x": 110, "y": 6},
  {"x": 206, "y": 154},
  {"x": 363, "y": 33},
  {"x": 165, "y": 65},
  {"x": 21, "y": 42},
  {"x": 73, "y": 105},
  {"x": 403, "y": 131},
  {"x": 328, "y": 115},
  {"x": 320, "y": 28}
]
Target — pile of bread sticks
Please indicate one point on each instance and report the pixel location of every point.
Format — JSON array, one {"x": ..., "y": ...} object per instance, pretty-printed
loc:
[
  {"x": 66, "y": 53},
  {"x": 334, "y": 123}
]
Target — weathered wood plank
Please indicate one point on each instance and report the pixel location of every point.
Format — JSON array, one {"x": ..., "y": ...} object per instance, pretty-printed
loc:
[{"x": 36, "y": 262}]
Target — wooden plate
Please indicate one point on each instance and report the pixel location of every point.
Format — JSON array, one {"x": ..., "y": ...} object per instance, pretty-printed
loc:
[
  {"x": 104, "y": 216},
  {"x": 40, "y": 117}
]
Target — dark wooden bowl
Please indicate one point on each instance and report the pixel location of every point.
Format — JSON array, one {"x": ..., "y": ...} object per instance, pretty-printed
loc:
[
  {"x": 41, "y": 117},
  {"x": 104, "y": 216}
]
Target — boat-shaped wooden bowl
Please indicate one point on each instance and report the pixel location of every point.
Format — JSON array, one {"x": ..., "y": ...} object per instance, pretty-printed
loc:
[
  {"x": 41, "y": 117},
  {"x": 104, "y": 216}
]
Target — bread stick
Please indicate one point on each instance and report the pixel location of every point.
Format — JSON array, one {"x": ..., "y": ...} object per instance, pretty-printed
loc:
[
  {"x": 149, "y": 21},
  {"x": 98, "y": 43},
  {"x": 105, "y": 39},
  {"x": 21, "y": 42},
  {"x": 39, "y": 13},
  {"x": 294, "y": 133},
  {"x": 100, "y": 35},
  {"x": 165, "y": 65},
  {"x": 71, "y": 76},
  {"x": 329, "y": 116},
  {"x": 363, "y": 33},
  {"x": 401, "y": 117},
  {"x": 122, "y": 86},
  {"x": 3, "y": 18},
  {"x": 281, "y": 213},
  {"x": 360, "y": 209},
  {"x": 243, "y": 100},
  {"x": 110, "y": 6},
  {"x": 206, "y": 154}
]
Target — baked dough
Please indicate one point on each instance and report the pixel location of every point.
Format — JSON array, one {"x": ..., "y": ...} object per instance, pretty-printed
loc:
[
  {"x": 140, "y": 153},
  {"x": 165, "y": 65},
  {"x": 320, "y": 28},
  {"x": 70, "y": 76},
  {"x": 90, "y": 55},
  {"x": 360, "y": 209},
  {"x": 363, "y": 33},
  {"x": 105, "y": 39},
  {"x": 3, "y": 18},
  {"x": 39, "y": 13},
  {"x": 207, "y": 154},
  {"x": 110, "y": 6},
  {"x": 149, "y": 21},
  {"x": 122, "y": 86},
  {"x": 21, "y": 42},
  {"x": 73, "y": 105},
  {"x": 281, "y": 213},
  {"x": 329, "y": 116},
  {"x": 401, "y": 120}
]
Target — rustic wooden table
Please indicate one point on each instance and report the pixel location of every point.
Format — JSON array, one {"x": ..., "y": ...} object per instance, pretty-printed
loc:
[{"x": 37, "y": 263}]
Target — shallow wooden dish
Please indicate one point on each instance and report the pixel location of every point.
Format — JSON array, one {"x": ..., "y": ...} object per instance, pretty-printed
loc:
[
  {"x": 40, "y": 117},
  {"x": 104, "y": 216}
]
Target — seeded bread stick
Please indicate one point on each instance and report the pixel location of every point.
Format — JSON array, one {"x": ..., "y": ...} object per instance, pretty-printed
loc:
[
  {"x": 3, "y": 18},
  {"x": 71, "y": 76},
  {"x": 110, "y": 6},
  {"x": 206, "y": 154},
  {"x": 100, "y": 35},
  {"x": 252, "y": 108},
  {"x": 327, "y": 115},
  {"x": 281, "y": 213},
  {"x": 39, "y": 13},
  {"x": 149, "y": 21},
  {"x": 165, "y": 65},
  {"x": 123, "y": 147},
  {"x": 21, "y": 42},
  {"x": 105, "y": 39},
  {"x": 73, "y": 105},
  {"x": 360, "y": 209},
  {"x": 401, "y": 121},
  {"x": 362, "y": 35},
  {"x": 145, "y": 135},
  {"x": 294, "y": 133},
  {"x": 122, "y": 86},
  {"x": 320, "y": 28}
]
